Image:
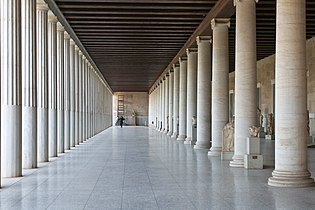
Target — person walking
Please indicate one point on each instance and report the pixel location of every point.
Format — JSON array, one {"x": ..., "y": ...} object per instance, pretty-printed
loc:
[{"x": 121, "y": 121}]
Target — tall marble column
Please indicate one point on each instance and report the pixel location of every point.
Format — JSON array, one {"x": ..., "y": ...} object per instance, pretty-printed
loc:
[
  {"x": 60, "y": 88},
  {"x": 42, "y": 82},
  {"x": 245, "y": 77},
  {"x": 72, "y": 92},
  {"x": 176, "y": 100},
  {"x": 170, "y": 102},
  {"x": 160, "y": 107},
  {"x": 11, "y": 91},
  {"x": 203, "y": 93},
  {"x": 52, "y": 83},
  {"x": 291, "y": 97},
  {"x": 76, "y": 87},
  {"x": 67, "y": 91},
  {"x": 29, "y": 76},
  {"x": 163, "y": 104},
  {"x": 220, "y": 82},
  {"x": 191, "y": 92},
  {"x": 166, "y": 104},
  {"x": 182, "y": 99}
]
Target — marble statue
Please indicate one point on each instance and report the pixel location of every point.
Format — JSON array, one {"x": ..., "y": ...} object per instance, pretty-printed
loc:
[
  {"x": 228, "y": 137},
  {"x": 270, "y": 130},
  {"x": 253, "y": 131},
  {"x": 264, "y": 123},
  {"x": 259, "y": 117}
]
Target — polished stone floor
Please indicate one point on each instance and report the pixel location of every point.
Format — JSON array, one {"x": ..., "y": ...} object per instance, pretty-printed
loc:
[{"x": 140, "y": 168}]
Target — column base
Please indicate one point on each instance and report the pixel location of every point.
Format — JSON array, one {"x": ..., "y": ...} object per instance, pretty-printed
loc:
[
  {"x": 169, "y": 133},
  {"x": 165, "y": 131},
  {"x": 201, "y": 146},
  {"x": 291, "y": 179},
  {"x": 191, "y": 142},
  {"x": 237, "y": 162},
  {"x": 215, "y": 151},
  {"x": 181, "y": 138}
]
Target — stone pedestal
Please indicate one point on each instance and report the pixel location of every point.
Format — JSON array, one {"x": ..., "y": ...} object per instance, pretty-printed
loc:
[
  {"x": 253, "y": 159},
  {"x": 270, "y": 137}
]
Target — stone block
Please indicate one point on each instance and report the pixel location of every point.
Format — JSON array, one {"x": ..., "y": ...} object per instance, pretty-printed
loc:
[
  {"x": 253, "y": 146},
  {"x": 270, "y": 137},
  {"x": 253, "y": 161}
]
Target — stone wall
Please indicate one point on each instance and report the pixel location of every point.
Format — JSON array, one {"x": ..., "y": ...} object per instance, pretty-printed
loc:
[
  {"x": 266, "y": 78},
  {"x": 133, "y": 101}
]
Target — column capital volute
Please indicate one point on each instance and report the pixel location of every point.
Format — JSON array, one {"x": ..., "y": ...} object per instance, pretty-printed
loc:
[
  {"x": 215, "y": 22},
  {"x": 67, "y": 35},
  {"x": 80, "y": 53},
  {"x": 77, "y": 48},
  {"x": 236, "y": 1},
  {"x": 42, "y": 6},
  {"x": 204, "y": 39},
  {"x": 182, "y": 59},
  {"x": 175, "y": 65},
  {"x": 60, "y": 27},
  {"x": 72, "y": 42},
  {"x": 52, "y": 17},
  {"x": 191, "y": 50}
]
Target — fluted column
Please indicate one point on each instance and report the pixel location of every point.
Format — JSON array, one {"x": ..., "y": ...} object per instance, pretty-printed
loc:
[
  {"x": 11, "y": 91},
  {"x": 291, "y": 97},
  {"x": 67, "y": 90},
  {"x": 166, "y": 104},
  {"x": 203, "y": 93},
  {"x": 160, "y": 107},
  {"x": 42, "y": 82},
  {"x": 245, "y": 77},
  {"x": 60, "y": 89},
  {"x": 220, "y": 83},
  {"x": 76, "y": 87},
  {"x": 175, "y": 100},
  {"x": 81, "y": 97},
  {"x": 170, "y": 102},
  {"x": 72, "y": 92},
  {"x": 182, "y": 99},
  {"x": 191, "y": 92},
  {"x": 52, "y": 85},
  {"x": 29, "y": 77},
  {"x": 163, "y": 104}
]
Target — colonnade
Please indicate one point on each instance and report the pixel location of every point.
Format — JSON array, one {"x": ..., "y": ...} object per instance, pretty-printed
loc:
[
  {"x": 52, "y": 97},
  {"x": 203, "y": 90}
]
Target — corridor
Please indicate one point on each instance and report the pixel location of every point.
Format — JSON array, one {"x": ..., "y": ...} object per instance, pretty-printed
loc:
[{"x": 141, "y": 168}]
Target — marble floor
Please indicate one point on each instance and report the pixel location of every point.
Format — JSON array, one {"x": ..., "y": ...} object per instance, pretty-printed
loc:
[{"x": 140, "y": 168}]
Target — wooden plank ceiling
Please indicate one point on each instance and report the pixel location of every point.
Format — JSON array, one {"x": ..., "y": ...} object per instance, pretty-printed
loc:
[{"x": 133, "y": 42}]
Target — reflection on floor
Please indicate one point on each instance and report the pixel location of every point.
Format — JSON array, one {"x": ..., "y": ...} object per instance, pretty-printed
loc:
[{"x": 140, "y": 168}]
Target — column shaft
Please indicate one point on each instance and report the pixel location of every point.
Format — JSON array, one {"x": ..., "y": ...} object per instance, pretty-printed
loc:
[
  {"x": 182, "y": 99},
  {"x": 220, "y": 83},
  {"x": 175, "y": 101},
  {"x": 52, "y": 85},
  {"x": 29, "y": 78},
  {"x": 67, "y": 96},
  {"x": 191, "y": 92},
  {"x": 76, "y": 80},
  {"x": 72, "y": 93},
  {"x": 11, "y": 91},
  {"x": 245, "y": 77},
  {"x": 170, "y": 102},
  {"x": 42, "y": 82},
  {"x": 166, "y": 104},
  {"x": 204, "y": 93},
  {"x": 291, "y": 97}
]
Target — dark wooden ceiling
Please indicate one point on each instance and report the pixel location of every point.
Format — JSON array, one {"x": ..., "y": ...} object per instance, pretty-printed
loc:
[{"x": 133, "y": 42}]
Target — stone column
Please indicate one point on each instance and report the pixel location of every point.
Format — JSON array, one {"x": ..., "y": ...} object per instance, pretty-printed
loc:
[
  {"x": 170, "y": 102},
  {"x": 182, "y": 99},
  {"x": 72, "y": 92},
  {"x": 204, "y": 93},
  {"x": 60, "y": 89},
  {"x": 160, "y": 106},
  {"x": 175, "y": 100},
  {"x": 163, "y": 104},
  {"x": 67, "y": 90},
  {"x": 166, "y": 104},
  {"x": 42, "y": 82},
  {"x": 191, "y": 92},
  {"x": 245, "y": 77},
  {"x": 29, "y": 94},
  {"x": 76, "y": 80},
  {"x": 11, "y": 91},
  {"x": 52, "y": 84},
  {"x": 81, "y": 95},
  {"x": 291, "y": 97},
  {"x": 220, "y": 82}
]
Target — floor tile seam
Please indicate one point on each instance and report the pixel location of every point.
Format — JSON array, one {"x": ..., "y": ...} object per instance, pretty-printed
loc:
[
  {"x": 123, "y": 184},
  {"x": 177, "y": 182},
  {"x": 152, "y": 188}
]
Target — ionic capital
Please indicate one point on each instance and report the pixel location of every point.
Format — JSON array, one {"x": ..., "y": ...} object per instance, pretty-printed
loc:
[
  {"x": 182, "y": 59},
  {"x": 191, "y": 50},
  {"x": 215, "y": 22},
  {"x": 66, "y": 36},
  {"x": 60, "y": 27},
  {"x": 72, "y": 42},
  {"x": 42, "y": 6},
  {"x": 176, "y": 65},
  {"x": 240, "y": 1},
  {"x": 52, "y": 17},
  {"x": 77, "y": 48},
  {"x": 203, "y": 39}
]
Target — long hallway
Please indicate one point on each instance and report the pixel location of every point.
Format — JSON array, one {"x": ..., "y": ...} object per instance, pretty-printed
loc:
[{"x": 140, "y": 168}]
